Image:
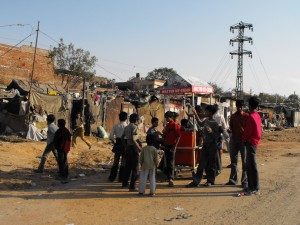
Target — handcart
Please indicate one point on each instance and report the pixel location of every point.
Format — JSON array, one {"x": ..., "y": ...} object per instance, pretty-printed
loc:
[{"x": 187, "y": 151}]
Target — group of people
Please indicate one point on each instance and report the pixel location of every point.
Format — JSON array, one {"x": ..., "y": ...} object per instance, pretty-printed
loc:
[
  {"x": 242, "y": 135},
  {"x": 128, "y": 148},
  {"x": 59, "y": 142}
]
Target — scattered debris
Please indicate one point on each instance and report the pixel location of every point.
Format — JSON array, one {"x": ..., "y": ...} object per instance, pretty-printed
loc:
[{"x": 178, "y": 208}]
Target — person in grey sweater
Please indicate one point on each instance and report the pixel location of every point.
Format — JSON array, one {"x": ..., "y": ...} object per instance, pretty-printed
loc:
[
  {"x": 208, "y": 157},
  {"x": 149, "y": 162},
  {"x": 52, "y": 128}
]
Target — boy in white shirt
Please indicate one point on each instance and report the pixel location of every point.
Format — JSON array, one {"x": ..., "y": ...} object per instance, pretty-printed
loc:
[{"x": 149, "y": 162}]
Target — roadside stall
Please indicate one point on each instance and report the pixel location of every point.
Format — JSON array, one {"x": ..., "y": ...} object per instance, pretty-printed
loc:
[{"x": 186, "y": 154}]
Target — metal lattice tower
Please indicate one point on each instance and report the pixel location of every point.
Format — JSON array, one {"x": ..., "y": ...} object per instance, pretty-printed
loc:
[{"x": 240, "y": 52}]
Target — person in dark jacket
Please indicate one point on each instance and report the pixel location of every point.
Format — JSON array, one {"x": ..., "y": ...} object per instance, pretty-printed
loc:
[
  {"x": 208, "y": 158},
  {"x": 62, "y": 142}
]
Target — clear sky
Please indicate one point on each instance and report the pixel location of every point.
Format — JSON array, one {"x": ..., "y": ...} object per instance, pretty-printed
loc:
[{"x": 191, "y": 36}]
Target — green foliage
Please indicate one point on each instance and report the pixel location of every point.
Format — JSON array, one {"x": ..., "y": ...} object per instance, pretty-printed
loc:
[
  {"x": 161, "y": 74},
  {"x": 75, "y": 60},
  {"x": 268, "y": 98},
  {"x": 217, "y": 90},
  {"x": 293, "y": 99}
]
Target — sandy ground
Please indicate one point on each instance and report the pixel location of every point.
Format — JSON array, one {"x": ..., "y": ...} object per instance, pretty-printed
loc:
[{"x": 29, "y": 198}]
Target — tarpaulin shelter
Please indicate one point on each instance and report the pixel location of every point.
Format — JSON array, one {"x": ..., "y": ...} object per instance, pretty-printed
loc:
[
  {"x": 24, "y": 87},
  {"x": 40, "y": 101}
]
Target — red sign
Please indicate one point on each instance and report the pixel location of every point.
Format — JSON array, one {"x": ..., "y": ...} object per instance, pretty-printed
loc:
[
  {"x": 203, "y": 89},
  {"x": 176, "y": 90},
  {"x": 194, "y": 89}
]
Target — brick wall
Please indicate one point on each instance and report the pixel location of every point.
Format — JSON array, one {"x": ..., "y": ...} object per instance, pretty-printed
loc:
[{"x": 16, "y": 63}]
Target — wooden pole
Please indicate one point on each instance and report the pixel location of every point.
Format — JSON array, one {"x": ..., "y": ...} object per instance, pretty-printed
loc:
[
  {"x": 34, "y": 56},
  {"x": 83, "y": 93}
]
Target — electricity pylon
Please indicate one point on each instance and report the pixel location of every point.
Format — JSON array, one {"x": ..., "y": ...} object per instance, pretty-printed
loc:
[{"x": 240, "y": 52}]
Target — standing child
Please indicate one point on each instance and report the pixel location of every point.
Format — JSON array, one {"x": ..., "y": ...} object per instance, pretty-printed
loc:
[
  {"x": 208, "y": 158},
  {"x": 149, "y": 162},
  {"x": 251, "y": 138},
  {"x": 172, "y": 136},
  {"x": 156, "y": 133},
  {"x": 119, "y": 148},
  {"x": 62, "y": 142}
]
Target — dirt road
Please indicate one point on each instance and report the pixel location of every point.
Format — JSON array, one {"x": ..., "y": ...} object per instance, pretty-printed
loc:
[{"x": 28, "y": 198}]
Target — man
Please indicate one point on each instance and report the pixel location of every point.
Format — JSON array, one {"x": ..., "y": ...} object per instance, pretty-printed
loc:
[
  {"x": 119, "y": 148},
  {"x": 208, "y": 158},
  {"x": 133, "y": 147},
  {"x": 219, "y": 118},
  {"x": 52, "y": 128},
  {"x": 236, "y": 128},
  {"x": 251, "y": 138},
  {"x": 79, "y": 131},
  {"x": 171, "y": 139}
]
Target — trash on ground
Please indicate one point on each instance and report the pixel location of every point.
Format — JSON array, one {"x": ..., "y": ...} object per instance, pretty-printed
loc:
[{"x": 178, "y": 208}]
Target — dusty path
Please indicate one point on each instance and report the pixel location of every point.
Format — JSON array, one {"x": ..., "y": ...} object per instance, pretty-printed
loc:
[{"x": 92, "y": 200}]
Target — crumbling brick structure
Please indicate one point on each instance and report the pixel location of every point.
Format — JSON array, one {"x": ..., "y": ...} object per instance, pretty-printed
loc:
[{"x": 16, "y": 63}]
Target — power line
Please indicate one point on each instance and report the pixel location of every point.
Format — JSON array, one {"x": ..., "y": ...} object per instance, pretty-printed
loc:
[
  {"x": 223, "y": 68},
  {"x": 17, "y": 24},
  {"x": 109, "y": 72},
  {"x": 252, "y": 69},
  {"x": 49, "y": 37},
  {"x": 229, "y": 71},
  {"x": 16, "y": 45},
  {"x": 264, "y": 69},
  {"x": 219, "y": 64},
  {"x": 125, "y": 64}
]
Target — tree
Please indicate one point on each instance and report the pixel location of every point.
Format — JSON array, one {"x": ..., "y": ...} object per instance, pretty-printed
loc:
[
  {"x": 294, "y": 100},
  {"x": 217, "y": 90},
  {"x": 268, "y": 98},
  {"x": 161, "y": 74},
  {"x": 73, "y": 62}
]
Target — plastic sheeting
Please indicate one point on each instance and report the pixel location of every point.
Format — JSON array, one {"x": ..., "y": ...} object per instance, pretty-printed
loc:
[
  {"x": 34, "y": 134},
  {"x": 49, "y": 103}
]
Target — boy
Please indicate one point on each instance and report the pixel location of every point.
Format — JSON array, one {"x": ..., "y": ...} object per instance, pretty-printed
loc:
[
  {"x": 79, "y": 131},
  {"x": 172, "y": 136},
  {"x": 52, "y": 128},
  {"x": 132, "y": 152},
  {"x": 208, "y": 158},
  {"x": 149, "y": 162},
  {"x": 156, "y": 133},
  {"x": 118, "y": 149},
  {"x": 186, "y": 125},
  {"x": 62, "y": 142},
  {"x": 251, "y": 138}
]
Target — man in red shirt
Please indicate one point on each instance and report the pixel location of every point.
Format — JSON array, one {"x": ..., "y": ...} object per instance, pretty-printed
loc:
[
  {"x": 237, "y": 126},
  {"x": 251, "y": 138},
  {"x": 172, "y": 136}
]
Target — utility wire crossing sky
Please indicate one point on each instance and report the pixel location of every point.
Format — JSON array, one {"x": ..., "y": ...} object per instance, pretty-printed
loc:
[{"x": 192, "y": 37}]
